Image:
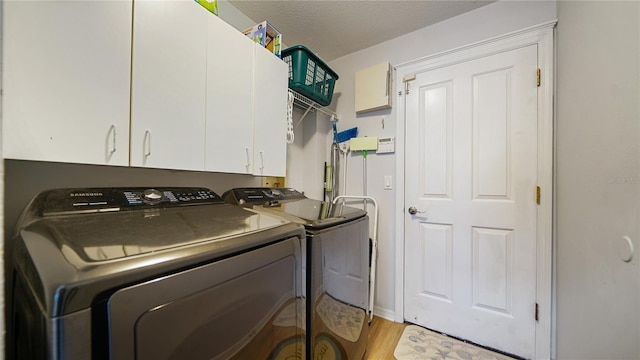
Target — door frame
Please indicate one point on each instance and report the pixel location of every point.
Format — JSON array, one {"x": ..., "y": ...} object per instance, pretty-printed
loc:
[{"x": 541, "y": 35}]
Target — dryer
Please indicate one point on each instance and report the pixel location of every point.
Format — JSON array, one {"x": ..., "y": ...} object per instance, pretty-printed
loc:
[
  {"x": 336, "y": 267},
  {"x": 162, "y": 273}
]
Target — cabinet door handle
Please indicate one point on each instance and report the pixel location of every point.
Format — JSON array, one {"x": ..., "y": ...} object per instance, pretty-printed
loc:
[
  {"x": 146, "y": 143},
  {"x": 248, "y": 163},
  {"x": 112, "y": 129},
  {"x": 261, "y": 161}
]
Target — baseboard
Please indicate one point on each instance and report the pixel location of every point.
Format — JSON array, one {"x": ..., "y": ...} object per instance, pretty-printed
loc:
[{"x": 384, "y": 313}]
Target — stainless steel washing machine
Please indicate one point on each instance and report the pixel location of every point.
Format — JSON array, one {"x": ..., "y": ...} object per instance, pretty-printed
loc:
[
  {"x": 336, "y": 267},
  {"x": 163, "y": 273}
]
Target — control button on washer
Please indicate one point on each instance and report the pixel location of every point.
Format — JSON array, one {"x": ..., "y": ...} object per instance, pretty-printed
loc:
[{"x": 152, "y": 196}]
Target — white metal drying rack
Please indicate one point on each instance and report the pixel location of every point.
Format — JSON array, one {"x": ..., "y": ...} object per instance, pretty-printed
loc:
[{"x": 308, "y": 104}]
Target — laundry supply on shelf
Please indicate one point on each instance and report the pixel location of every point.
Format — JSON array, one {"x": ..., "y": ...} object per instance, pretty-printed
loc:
[{"x": 266, "y": 35}]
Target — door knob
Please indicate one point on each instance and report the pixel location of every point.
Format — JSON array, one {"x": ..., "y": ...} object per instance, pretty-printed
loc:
[{"x": 413, "y": 211}]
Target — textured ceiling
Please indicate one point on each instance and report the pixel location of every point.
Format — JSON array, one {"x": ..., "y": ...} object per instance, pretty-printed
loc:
[{"x": 332, "y": 29}]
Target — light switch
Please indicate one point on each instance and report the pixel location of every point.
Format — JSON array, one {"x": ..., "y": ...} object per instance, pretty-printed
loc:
[{"x": 388, "y": 182}]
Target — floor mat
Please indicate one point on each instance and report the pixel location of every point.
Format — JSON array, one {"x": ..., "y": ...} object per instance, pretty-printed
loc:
[
  {"x": 342, "y": 319},
  {"x": 419, "y": 343}
]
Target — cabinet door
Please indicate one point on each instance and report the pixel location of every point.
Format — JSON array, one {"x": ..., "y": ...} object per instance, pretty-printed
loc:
[
  {"x": 373, "y": 88},
  {"x": 229, "y": 114},
  {"x": 66, "y": 81},
  {"x": 168, "y": 84},
  {"x": 270, "y": 117}
]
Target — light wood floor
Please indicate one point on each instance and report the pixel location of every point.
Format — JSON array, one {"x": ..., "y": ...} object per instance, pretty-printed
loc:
[{"x": 383, "y": 337}]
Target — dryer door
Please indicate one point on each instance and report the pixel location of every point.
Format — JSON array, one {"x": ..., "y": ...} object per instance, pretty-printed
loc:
[
  {"x": 241, "y": 307},
  {"x": 338, "y": 288}
]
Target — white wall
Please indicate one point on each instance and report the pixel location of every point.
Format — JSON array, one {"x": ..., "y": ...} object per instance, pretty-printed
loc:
[
  {"x": 483, "y": 23},
  {"x": 305, "y": 169},
  {"x": 233, "y": 16},
  {"x": 598, "y": 179}
]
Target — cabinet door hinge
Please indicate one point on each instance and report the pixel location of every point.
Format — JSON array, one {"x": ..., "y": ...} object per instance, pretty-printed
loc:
[
  {"x": 538, "y": 195},
  {"x": 538, "y": 77},
  {"x": 537, "y": 313}
]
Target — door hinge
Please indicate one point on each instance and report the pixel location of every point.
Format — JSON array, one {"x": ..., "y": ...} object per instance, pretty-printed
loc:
[
  {"x": 406, "y": 80},
  {"x": 538, "y": 195},
  {"x": 538, "y": 76},
  {"x": 537, "y": 313}
]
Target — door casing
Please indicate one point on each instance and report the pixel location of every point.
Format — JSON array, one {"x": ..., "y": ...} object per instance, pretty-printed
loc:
[{"x": 543, "y": 36}]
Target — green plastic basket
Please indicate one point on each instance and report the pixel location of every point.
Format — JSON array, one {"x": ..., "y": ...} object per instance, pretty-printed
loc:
[{"x": 309, "y": 75}]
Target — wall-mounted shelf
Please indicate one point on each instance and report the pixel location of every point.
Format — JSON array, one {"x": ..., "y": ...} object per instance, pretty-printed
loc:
[{"x": 308, "y": 104}]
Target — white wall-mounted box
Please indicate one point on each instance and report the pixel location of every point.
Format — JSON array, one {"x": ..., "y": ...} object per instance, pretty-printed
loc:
[
  {"x": 373, "y": 88},
  {"x": 386, "y": 145}
]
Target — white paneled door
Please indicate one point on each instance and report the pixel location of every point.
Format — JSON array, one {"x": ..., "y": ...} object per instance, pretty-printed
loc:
[{"x": 471, "y": 176}]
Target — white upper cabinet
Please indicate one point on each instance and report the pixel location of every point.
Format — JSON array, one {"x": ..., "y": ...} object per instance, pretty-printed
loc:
[
  {"x": 270, "y": 114},
  {"x": 169, "y": 84},
  {"x": 229, "y": 101},
  {"x": 66, "y": 71},
  {"x": 174, "y": 88}
]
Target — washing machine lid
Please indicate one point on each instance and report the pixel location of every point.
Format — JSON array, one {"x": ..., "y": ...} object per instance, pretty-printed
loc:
[
  {"x": 294, "y": 206},
  {"x": 90, "y": 240}
]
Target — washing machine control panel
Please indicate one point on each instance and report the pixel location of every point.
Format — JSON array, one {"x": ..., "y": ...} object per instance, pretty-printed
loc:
[
  {"x": 261, "y": 196},
  {"x": 91, "y": 200}
]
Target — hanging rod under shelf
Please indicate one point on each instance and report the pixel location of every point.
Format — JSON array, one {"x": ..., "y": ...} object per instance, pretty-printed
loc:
[{"x": 308, "y": 104}]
